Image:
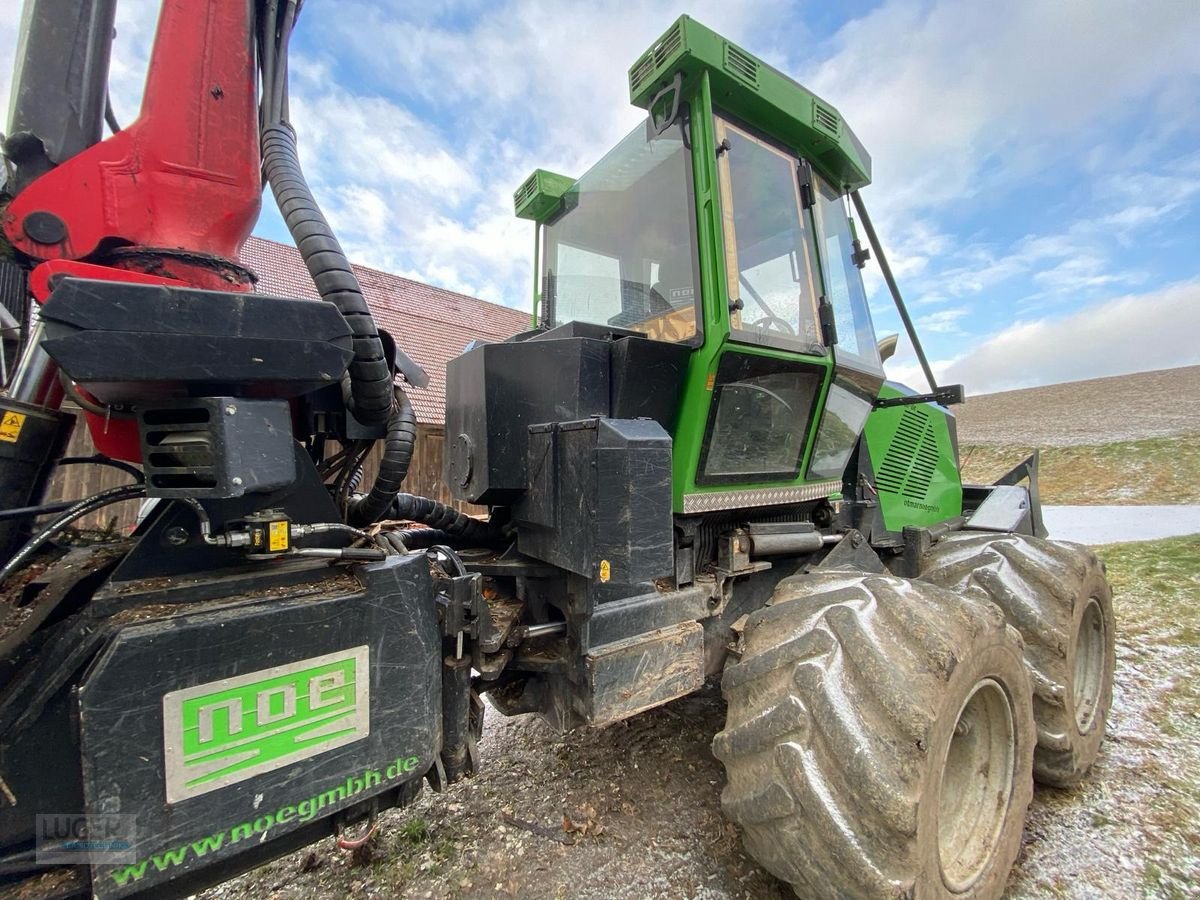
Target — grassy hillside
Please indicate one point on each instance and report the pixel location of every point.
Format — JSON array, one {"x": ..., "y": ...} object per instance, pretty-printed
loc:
[{"x": 1161, "y": 470}]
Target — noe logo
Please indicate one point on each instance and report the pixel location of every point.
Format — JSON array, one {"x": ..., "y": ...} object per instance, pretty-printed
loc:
[{"x": 226, "y": 731}]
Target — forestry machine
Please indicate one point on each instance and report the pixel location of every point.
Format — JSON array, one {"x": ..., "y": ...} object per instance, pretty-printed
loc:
[{"x": 691, "y": 466}]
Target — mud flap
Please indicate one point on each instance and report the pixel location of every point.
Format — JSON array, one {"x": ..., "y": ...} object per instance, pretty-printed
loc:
[{"x": 224, "y": 730}]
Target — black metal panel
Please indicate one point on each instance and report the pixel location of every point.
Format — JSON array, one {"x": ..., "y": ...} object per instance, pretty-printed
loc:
[
  {"x": 127, "y": 342},
  {"x": 600, "y": 505},
  {"x": 217, "y": 447},
  {"x": 628, "y": 677},
  {"x": 47, "y": 747},
  {"x": 647, "y": 379},
  {"x": 632, "y": 616},
  {"x": 496, "y": 391},
  {"x": 133, "y": 717}
]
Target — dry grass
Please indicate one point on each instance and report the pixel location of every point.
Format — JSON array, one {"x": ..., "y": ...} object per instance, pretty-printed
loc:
[{"x": 1162, "y": 470}]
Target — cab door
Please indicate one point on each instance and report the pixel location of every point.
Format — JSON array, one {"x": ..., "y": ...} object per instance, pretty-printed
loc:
[
  {"x": 772, "y": 367},
  {"x": 858, "y": 371}
]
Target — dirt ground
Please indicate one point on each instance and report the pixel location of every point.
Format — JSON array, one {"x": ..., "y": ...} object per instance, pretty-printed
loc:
[
  {"x": 642, "y": 797},
  {"x": 1099, "y": 411}
]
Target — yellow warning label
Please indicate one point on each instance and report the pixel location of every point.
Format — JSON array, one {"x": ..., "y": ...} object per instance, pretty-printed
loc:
[
  {"x": 605, "y": 570},
  {"x": 278, "y": 539},
  {"x": 10, "y": 427}
]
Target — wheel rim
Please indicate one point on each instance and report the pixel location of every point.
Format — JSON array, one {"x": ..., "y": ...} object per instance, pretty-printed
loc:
[
  {"x": 977, "y": 781},
  {"x": 1089, "y": 666}
]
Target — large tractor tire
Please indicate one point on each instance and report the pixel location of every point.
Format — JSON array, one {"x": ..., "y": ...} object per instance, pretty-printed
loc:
[
  {"x": 1056, "y": 595},
  {"x": 879, "y": 739}
]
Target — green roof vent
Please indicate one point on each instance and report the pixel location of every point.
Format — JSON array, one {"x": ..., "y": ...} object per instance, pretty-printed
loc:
[{"x": 538, "y": 197}]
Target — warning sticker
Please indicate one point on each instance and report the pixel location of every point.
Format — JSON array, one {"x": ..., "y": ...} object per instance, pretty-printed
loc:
[
  {"x": 10, "y": 427},
  {"x": 605, "y": 570},
  {"x": 278, "y": 538}
]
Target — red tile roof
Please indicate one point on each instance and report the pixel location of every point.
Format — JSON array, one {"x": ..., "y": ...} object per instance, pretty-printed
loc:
[{"x": 431, "y": 324}]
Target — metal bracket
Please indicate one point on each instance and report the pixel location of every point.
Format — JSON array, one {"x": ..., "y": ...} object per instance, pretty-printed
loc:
[
  {"x": 660, "y": 127},
  {"x": 1028, "y": 469},
  {"x": 946, "y": 395}
]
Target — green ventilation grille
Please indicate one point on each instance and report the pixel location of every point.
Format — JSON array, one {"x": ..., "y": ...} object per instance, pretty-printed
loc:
[
  {"x": 655, "y": 58},
  {"x": 911, "y": 458},
  {"x": 826, "y": 119},
  {"x": 741, "y": 65}
]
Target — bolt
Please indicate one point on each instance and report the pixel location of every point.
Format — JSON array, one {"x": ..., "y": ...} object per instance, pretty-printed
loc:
[
  {"x": 856, "y": 540},
  {"x": 44, "y": 228},
  {"x": 177, "y": 536},
  {"x": 230, "y": 410},
  {"x": 217, "y": 92},
  {"x": 236, "y": 481}
]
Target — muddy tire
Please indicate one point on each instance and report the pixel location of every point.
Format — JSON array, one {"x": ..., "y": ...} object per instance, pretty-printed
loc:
[
  {"x": 1055, "y": 594},
  {"x": 879, "y": 739}
]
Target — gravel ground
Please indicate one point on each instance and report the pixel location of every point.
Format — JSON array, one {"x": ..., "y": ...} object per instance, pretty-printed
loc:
[
  {"x": 642, "y": 798},
  {"x": 1122, "y": 408}
]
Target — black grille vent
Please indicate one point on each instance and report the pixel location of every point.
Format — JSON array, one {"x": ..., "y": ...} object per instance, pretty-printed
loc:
[
  {"x": 14, "y": 289},
  {"x": 741, "y": 65},
  {"x": 923, "y": 467},
  {"x": 912, "y": 457},
  {"x": 645, "y": 67},
  {"x": 826, "y": 119}
]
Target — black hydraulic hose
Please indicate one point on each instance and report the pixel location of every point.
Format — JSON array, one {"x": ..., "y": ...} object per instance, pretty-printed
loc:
[
  {"x": 421, "y": 538},
  {"x": 444, "y": 518},
  {"x": 393, "y": 464},
  {"x": 28, "y": 512},
  {"x": 78, "y": 511},
  {"x": 370, "y": 375}
]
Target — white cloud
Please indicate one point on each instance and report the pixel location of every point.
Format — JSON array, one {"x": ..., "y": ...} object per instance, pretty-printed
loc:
[
  {"x": 1155, "y": 330},
  {"x": 975, "y": 91},
  {"x": 944, "y": 321},
  {"x": 960, "y": 103}
]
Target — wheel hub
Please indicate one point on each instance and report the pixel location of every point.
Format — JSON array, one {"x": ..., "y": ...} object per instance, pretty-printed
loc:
[
  {"x": 1089, "y": 666},
  {"x": 976, "y": 785}
]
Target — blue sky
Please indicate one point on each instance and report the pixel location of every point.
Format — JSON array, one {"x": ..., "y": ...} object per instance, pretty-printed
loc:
[{"x": 1037, "y": 164}]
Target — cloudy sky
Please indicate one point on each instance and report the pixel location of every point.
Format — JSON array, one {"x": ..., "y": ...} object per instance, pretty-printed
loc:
[{"x": 1037, "y": 162}]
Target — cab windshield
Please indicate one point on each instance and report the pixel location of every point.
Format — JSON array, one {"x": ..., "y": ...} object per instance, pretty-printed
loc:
[{"x": 622, "y": 251}]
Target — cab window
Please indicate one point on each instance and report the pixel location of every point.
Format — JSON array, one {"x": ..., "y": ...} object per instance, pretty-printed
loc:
[
  {"x": 622, "y": 250},
  {"x": 843, "y": 282},
  {"x": 768, "y": 245}
]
